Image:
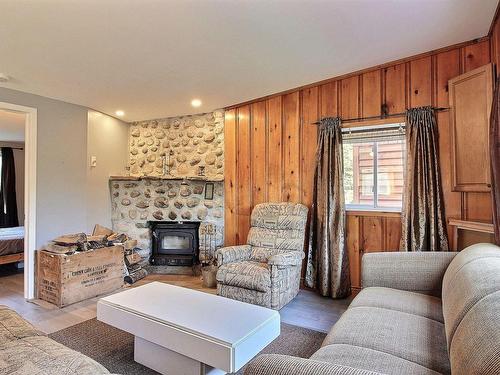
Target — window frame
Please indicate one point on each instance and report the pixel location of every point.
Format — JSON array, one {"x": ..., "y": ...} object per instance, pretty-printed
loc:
[{"x": 349, "y": 207}]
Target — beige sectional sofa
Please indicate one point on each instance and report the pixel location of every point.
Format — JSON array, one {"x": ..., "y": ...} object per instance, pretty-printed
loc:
[
  {"x": 24, "y": 350},
  {"x": 419, "y": 313}
]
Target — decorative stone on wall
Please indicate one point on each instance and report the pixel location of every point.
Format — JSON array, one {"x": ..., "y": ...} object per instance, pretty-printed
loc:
[
  {"x": 183, "y": 143},
  {"x": 134, "y": 203}
]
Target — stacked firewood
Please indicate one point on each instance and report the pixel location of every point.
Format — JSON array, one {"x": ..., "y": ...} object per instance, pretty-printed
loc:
[
  {"x": 133, "y": 267},
  {"x": 101, "y": 237}
]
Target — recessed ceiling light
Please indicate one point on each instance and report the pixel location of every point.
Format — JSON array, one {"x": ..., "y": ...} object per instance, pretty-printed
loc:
[
  {"x": 119, "y": 113},
  {"x": 196, "y": 102}
]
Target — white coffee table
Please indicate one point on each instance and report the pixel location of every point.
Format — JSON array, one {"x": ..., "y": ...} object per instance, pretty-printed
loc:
[{"x": 181, "y": 331}]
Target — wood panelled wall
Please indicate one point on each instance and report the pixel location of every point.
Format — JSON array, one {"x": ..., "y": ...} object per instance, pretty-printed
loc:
[{"x": 270, "y": 143}]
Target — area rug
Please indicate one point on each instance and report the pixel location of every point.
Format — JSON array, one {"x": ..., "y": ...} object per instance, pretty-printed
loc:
[{"x": 114, "y": 348}]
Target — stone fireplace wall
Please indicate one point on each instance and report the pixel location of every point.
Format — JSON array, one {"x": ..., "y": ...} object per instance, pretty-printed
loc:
[
  {"x": 184, "y": 143},
  {"x": 176, "y": 193},
  {"x": 134, "y": 203}
]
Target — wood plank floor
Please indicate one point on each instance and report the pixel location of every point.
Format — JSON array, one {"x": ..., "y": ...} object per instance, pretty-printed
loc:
[{"x": 306, "y": 310}]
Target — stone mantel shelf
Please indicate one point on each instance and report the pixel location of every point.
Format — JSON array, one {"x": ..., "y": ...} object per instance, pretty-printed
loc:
[{"x": 189, "y": 178}]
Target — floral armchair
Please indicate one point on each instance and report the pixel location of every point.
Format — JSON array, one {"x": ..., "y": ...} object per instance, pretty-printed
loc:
[{"x": 266, "y": 271}]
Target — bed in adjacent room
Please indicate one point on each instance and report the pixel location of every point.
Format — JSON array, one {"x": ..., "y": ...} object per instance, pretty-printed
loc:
[{"x": 11, "y": 245}]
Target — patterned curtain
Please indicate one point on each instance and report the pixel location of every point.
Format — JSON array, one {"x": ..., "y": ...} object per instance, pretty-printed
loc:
[
  {"x": 424, "y": 223},
  {"x": 495, "y": 160},
  {"x": 327, "y": 266}
]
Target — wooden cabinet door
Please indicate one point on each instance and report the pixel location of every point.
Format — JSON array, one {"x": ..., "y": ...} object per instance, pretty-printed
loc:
[{"x": 470, "y": 106}]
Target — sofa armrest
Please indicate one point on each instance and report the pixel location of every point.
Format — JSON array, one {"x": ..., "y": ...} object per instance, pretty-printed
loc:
[
  {"x": 233, "y": 254},
  {"x": 276, "y": 364},
  {"x": 412, "y": 271},
  {"x": 286, "y": 259}
]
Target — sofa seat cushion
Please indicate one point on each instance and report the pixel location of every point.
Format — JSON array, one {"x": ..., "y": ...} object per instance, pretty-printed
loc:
[
  {"x": 369, "y": 359},
  {"x": 42, "y": 356},
  {"x": 400, "y": 300},
  {"x": 247, "y": 274},
  {"x": 13, "y": 327},
  {"x": 253, "y": 297},
  {"x": 411, "y": 337}
]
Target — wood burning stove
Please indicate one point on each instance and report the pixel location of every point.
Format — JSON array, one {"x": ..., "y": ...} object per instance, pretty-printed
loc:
[{"x": 174, "y": 243}]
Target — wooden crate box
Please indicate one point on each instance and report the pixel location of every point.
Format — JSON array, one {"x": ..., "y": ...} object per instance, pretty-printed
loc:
[{"x": 66, "y": 279}]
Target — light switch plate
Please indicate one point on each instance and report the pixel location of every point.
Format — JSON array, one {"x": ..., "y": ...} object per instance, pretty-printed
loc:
[{"x": 93, "y": 161}]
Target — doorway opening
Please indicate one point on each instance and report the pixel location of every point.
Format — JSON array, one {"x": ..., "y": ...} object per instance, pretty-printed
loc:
[{"x": 18, "y": 192}]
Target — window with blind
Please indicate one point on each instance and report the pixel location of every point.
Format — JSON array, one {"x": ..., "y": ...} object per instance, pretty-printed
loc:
[{"x": 374, "y": 159}]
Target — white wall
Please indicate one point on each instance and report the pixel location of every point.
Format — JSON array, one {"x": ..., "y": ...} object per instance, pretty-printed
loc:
[
  {"x": 19, "y": 167},
  {"x": 107, "y": 140},
  {"x": 63, "y": 201}
]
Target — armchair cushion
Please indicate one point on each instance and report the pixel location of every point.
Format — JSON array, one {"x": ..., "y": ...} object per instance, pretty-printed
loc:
[
  {"x": 276, "y": 227},
  {"x": 267, "y": 242},
  {"x": 233, "y": 254},
  {"x": 246, "y": 274},
  {"x": 261, "y": 254},
  {"x": 286, "y": 259},
  {"x": 279, "y": 216}
]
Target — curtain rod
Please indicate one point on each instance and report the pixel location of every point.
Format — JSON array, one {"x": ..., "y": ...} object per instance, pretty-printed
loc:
[
  {"x": 381, "y": 117},
  {"x": 16, "y": 148}
]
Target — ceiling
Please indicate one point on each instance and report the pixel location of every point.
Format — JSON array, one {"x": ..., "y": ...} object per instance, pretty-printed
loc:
[
  {"x": 11, "y": 126},
  {"x": 150, "y": 58}
]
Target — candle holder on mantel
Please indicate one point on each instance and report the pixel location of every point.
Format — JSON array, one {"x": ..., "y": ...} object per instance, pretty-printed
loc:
[
  {"x": 208, "y": 267},
  {"x": 166, "y": 163},
  {"x": 201, "y": 171}
]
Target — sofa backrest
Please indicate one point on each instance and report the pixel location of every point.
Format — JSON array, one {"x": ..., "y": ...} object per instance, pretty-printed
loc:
[
  {"x": 471, "y": 310},
  {"x": 276, "y": 227}
]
